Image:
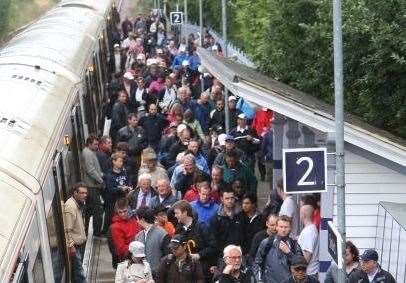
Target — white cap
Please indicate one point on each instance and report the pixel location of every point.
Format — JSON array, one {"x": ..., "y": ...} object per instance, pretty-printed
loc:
[
  {"x": 116, "y": 45},
  {"x": 129, "y": 76},
  {"x": 222, "y": 139},
  {"x": 137, "y": 249},
  {"x": 232, "y": 97},
  {"x": 201, "y": 69},
  {"x": 214, "y": 47},
  {"x": 241, "y": 116},
  {"x": 152, "y": 61},
  {"x": 180, "y": 128},
  {"x": 185, "y": 63},
  {"x": 182, "y": 48}
]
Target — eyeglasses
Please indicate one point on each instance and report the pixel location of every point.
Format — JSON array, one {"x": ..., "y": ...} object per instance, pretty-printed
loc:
[
  {"x": 300, "y": 268},
  {"x": 235, "y": 257}
]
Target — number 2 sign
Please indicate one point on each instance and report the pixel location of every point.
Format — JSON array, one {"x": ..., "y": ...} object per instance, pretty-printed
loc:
[
  {"x": 304, "y": 170},
  {"x": 176, "y": 18}
]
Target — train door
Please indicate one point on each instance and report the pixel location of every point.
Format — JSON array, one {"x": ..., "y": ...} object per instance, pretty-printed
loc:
[
  {"x": 76, "y": 143},
  {"x": 89, "y": 104},
  {"x": 60, "y": 260}
]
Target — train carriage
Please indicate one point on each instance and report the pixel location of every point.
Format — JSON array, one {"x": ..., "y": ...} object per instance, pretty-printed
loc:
[{"x": 52, "y": 84}]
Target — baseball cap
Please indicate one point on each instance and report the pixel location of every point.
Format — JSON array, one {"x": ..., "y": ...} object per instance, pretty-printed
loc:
[
  {"x": 222, "y": 139},
  {"x": 241, "y": 116},
  {"x": 298, "y": 260},
  {"x": 369, "y": 254},
  {"x": 176, "y": 241},
  {"x": 232, "y": 97},
  {"x": 137, "y": 249},
  {"x": 185, "y": 63}
]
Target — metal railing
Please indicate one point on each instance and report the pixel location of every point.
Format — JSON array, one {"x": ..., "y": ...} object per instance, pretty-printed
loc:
[
  {"x": 390, "y": 239},
  {"x": 232, "y": 50},
  {"x": 88, "y": 255}
]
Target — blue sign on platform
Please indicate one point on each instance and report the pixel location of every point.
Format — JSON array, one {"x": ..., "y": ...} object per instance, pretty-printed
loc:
[{"x": 304, "y": 170}]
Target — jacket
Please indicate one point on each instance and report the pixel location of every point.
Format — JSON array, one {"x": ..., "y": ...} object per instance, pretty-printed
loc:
[
  {"x": 309, "y": 279},
  {"x": 205, "y": 211},
  {"x": 256, "y": 241},
  {"x": 251, "y": 227},
  {"x": 202, "y": 114},
  {"x": 227, "y": 230},
  {"x": 119, "y": 115},
  {"x": 156, "y": 245},
  {"x": 123, "y": 232},
  {"x": 153, "y": 127},
  {"x": 167, "y": 202},
  {"x": 190, "y": 271},
  {"x": 92, "y": 173},
  {"x": 217, "y": 120},
  {"x": 128, "y": 272},
  {"x": 133, "y": 197},
  {"x": 249, "y": 147},
  {"x": 360, "y": 276},
  {"x": 271, "y": 265},
  {"x": 74, "y": 224},
  {"x": 205, "y": 242},
  {"x": 243, "y": 174},
  {"x": 113, "y": 182},
  {"x": 134, "y": 137},
  {"x": 246, "y": 276}
]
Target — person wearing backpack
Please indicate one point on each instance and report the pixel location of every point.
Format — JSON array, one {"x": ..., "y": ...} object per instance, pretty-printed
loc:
[
  {"x": 274, "y": 256},
  {"x": 179, "y": 266}
]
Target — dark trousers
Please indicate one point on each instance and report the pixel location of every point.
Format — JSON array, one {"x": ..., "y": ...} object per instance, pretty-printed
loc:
[
  {"x": 94, "y": 208},
  {"x": 77, "y": 262}
]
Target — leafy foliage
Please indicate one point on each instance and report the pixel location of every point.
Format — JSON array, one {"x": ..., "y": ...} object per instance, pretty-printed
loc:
[
  {"x": 16, "y": 13},
  {"x": 291, "y": 40}
]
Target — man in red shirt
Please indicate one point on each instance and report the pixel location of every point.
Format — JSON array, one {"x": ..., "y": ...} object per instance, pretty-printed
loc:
[{"x": 123, "y": 230}]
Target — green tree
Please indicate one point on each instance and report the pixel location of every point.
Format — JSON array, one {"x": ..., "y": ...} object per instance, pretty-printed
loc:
[{"x": 4, "y": 16}]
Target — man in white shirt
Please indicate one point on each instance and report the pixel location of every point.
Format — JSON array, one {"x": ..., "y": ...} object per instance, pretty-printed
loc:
[
  {"x": 289, "y": 208},
  {"x": 309, "y": 240}
]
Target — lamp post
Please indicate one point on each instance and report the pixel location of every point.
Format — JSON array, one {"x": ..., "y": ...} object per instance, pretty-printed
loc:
[{"x": 339, "y": 127}]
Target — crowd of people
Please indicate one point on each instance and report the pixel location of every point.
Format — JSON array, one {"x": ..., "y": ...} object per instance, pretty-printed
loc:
[{"x": 174, "y": 194}]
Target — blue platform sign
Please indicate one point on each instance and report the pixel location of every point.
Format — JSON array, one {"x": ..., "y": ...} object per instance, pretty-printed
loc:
[{"x": 304, "y": 170}]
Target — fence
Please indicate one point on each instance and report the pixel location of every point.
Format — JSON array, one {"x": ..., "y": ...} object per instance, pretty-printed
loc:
[
  {"x": 232, "y": 51},
  {"x": 391, "y": 238}
]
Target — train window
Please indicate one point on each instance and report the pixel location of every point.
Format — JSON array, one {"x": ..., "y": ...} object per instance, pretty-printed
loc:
[{"x": 38, "y": 274}]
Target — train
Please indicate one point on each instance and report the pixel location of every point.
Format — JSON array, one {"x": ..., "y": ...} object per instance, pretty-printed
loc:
[{"x": 53, "y": 77}]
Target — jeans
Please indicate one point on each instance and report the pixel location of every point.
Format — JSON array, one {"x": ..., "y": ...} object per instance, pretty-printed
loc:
[
  {"x": 94, "y": 208},
  {"x": 77, "y": 269}
]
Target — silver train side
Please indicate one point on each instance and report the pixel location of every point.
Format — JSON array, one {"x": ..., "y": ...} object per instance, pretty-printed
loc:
[{"x": 52, "y": 86}]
